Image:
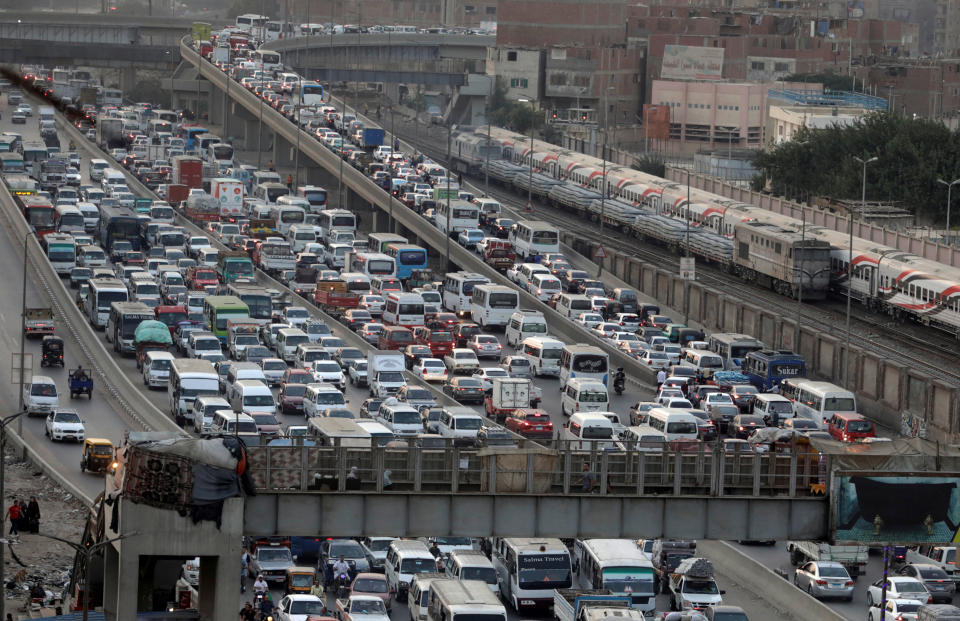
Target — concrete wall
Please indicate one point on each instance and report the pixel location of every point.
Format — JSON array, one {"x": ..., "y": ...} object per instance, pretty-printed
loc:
[{"x": 895, "y": 396}]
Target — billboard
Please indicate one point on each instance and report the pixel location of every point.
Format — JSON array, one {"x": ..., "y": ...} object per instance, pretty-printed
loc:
[
  {"x": 898, "y": 508},
  {"x": 687, "y": 62}
]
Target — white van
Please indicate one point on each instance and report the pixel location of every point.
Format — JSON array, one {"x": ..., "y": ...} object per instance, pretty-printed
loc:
[
  {"x": 229, "y": 422},
  {"x": 544, "y": 354},
  {"x": 156, "y": 369},
  {"x": 460, "y": 424},
  {"x": 252, "y": 396},
  {"x": 643, "y": 438},
  {"x": 299, "y": 235},
  {"x": 570, "y": 305},
  {"x": 673, "y": 423},
  {"x": 242, "y": 371},
  {"x": 544, "y": 286},
  {"x": 40, "y": 396},
  {"x": 767, "y": 404},
  {"x": 419, "y": 596},
  {"x": 190, "y": 378},
  {"x": 706, "y": 362},
  {"x": 96, "y": 168},
  {"x": 405, "y": 559},
  {"x": 203, "y": 410},
  {"x": 523, "y": 324},
  {"x": 471, "y": 565},
  {"x": 400, "y": 418},
  {"x": 464, "y": 599},
  {"x": 320, "y": 397},
  {"x": 588, "y": 429},
  {"x": 111, "y": 177},
  {"x": 287, "y": 341},
  {"x": 584, "y": 395},
  {"x": 91, "y": 215}
]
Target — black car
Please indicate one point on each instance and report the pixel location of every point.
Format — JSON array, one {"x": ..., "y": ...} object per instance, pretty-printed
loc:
[
  {"x": 344, "y": 355},
  {"x": 706, "y": 428},
  {"x": 464, "y": 333},
  {"x": 79, "y": 275},
  {"x": 501, "y": 227},
  {"x": 571, "y": 279},
  {"x": 743, "y": 425},
  {"x": 356, "y": 317},
  {"x": 352, "y": 552},
  {"x": 413, "y": 353},
  {"x": 464, "y": 389},
  {"x": 743, "y": 395}
]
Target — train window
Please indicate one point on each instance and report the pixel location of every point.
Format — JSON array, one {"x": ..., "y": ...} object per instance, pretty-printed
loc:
[
  {"x": 789, "y": 253},
  {"x": 777, "y": 248}
]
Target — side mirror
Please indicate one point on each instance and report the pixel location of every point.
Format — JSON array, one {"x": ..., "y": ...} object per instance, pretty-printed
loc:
[{"x": 722, "y": 592}]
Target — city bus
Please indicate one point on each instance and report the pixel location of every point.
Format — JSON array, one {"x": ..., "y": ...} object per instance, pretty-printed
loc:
[
  {"x": 311, "y": 94},
  {"x": 733, "y": 348},
  {"x": 34, "y": 153},
  {"x": 39, "y": 213},
  {"x": 118, "y": 224},
  {"x": 583, "y": 362},
  {"x": 373, "y": 264},
  {"x": 409, "y": 258},
  {"x": 20, "y": 186},
  {"x": 493, "y": 305},
  {"x": 69, "y": 219},
  {"x": 122, "y": 324},
  {"x": 458, "y": 290},
  {"x": 767, "y": 368},
  {"x": 456, "y": 218},
  {"x": 818, "y": 401},
  {"x": 379, "y": 241},
  {"x": 533, "y": 237},
  {"x": 267, "y": 60},
  {"x": 248, "y": 22},
  {"x": 256, "y": 298},
  {"x": 403, "y": 309},
  {"x": 618, "y": 565},
  {"x": 102, "y": 294},
  {"x": 337, "y": 220},
  {"x": 217, "y": 309},
  {"x": 530, "y": 570},
  {"x": 11, "y": 163},
  {"x": 61, "y": 252}
]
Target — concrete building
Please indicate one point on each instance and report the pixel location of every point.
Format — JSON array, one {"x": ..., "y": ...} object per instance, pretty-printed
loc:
[
  {"x": 711, "y": 114},
  {"x": 946, "y": 31},
  {"x": 927, "y": 88},
  {"x": 419, "y": 13},
  {"x": 783, "y": 122},
  {"x": 519, "y": 69}
]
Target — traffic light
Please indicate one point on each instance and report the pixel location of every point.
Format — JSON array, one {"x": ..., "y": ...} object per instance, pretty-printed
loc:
[
  {"x": 583, "y": 117},
  {"x": 554, "y": 115}
]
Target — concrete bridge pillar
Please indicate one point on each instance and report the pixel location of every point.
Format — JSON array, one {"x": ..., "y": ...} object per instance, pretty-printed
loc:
[{"x": 128, "y": 79}]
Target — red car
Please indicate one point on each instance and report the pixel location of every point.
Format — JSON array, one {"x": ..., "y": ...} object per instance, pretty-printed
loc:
[
  {"x": 440, "y": 342},
  {"x": 530, "y": 423},
  {"x": 290, "y": 398},
  {"x": 297, "y": 376},
  {"x": 201, "y": 277},
  {"x": 444, "y": 321}
]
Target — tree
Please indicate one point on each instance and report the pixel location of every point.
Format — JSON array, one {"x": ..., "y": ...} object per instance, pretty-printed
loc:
[
  {"x": 517, "y": 116},
  {"x": 831, "y": 81},
  {"x": 652, "y": 164}
]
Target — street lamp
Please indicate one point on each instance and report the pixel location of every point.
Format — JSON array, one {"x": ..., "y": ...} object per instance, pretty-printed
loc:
[
  {"x": 530, "y": 179},
  {"x": 87, "y": 552},
  {"x": 3, "y": 463},
  {"x": 863, "y": 201},
  {"x": 686, "y": 254},
  {"x": 949, "y": 188},
  {"x": 23, "y": 339}
]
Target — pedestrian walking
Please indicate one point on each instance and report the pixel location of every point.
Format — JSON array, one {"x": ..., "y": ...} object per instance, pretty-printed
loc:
[
  {"x": 244, "y": 569},
  {"x": 14, "y": 513},
  {"x": 661, "y": 378},
  {"x": 387, "y": 482},
  {"x": 33, "y": 515},
  {"x": 589, "y": 480}
]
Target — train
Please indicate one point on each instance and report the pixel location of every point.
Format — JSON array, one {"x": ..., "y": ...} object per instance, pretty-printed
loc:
[{"x": 760, "y": 246}]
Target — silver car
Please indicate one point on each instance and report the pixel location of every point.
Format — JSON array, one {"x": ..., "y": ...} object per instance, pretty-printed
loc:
[{"x": 824, "y": 579}]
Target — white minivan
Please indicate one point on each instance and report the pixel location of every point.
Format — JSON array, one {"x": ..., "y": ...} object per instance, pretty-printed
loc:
[
  {"x": 156, "y": 369},
  {"x": 405, "y": 559},
  {"x": 544, "y": 355},
  {"x": 400, "y": 418},
  {"x": 675, "y": 424},
  {"x": 523, "y": 324},
  {"x": 252, "y": 397},
  {"x": 460, "y": 424},
  {"x": 588, "y": 429},
  {"x": 40, "y": 396},
  {"x": 584, "y": 395},
  {"x": 471, "y": 565}
]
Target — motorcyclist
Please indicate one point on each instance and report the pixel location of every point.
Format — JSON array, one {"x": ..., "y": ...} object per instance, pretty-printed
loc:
[
  {"x": 619, "y": 379},
  {"x": 340, "y": 568},
  {"x": 260, "y": 586}
]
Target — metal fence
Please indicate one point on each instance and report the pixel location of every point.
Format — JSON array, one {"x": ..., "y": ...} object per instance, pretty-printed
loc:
[{"x": 704, "y": 469}]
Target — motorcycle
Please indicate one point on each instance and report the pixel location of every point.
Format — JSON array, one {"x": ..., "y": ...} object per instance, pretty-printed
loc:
[
  {"x": 342, "y": 586},
  {"x": 618, "y": 384}
]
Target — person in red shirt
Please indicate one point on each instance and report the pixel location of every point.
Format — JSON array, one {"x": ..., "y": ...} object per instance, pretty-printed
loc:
[{"x": 14, "y": 513}]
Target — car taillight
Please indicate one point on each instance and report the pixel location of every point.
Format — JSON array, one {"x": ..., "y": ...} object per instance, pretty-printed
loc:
[
  {"x": 848, "y": 583},
  {"x": 821, "y": 582}
]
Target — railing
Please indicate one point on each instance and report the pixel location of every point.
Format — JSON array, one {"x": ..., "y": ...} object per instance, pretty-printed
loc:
[{"x": 704, "y": 470}]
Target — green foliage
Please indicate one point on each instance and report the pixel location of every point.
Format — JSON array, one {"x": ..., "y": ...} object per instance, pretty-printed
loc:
[
  {"x": 831, "y": 81},
  {"x": 517, "y": 116},
  {"x": 652, "y": 164},
  {"x": 913, "y": 154},
  {"x": 149, "y": 89}
]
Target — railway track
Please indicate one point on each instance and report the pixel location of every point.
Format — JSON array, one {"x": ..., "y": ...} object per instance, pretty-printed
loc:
[{"x": 899, "y": 342}]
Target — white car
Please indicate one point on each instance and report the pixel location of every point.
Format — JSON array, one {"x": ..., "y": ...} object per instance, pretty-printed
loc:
[
  {"x": 273, "y": 370},
  {"x": 361, "y": 608},
  {"x": 485, "y": 346},
  {"x": 329, "y": 372},
  {"x": 606, "y": 330},
  {"x": 673, "y": 352},
  {"x": 461, "y": 361},
  {"x": 589, "y": 321},
  {"x": 431, "y": 370},
  {"x": 64, "y": 424},
  {"x": 896, "y": 609},
  {"x": 487, "y": 374},
  {"x": 898, "y": 587},
  {"x": 654, "y": 359},
  {"x": 296, "y": 316},
  {"x": 299, "y": 606},
  {"x": 372, "y": 303}
]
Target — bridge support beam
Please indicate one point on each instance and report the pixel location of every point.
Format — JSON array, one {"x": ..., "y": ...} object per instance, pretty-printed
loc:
[{"x": 128, "y": 79}]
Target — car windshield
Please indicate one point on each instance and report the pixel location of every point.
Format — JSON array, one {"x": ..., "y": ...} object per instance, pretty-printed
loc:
[
  {"x": 910, "y": 586},
  {"x": 418, "y": 565},
  {"x": 859, "y": 426},
  {"x": 259, "y": 401},
  {"x": 700, "y": 587},
  {"x": 371, "y": 606},
  {"x": 370, "y": 585},
  {"x": 486, "y": 574},
  {"x": 833, "y": 572},
  {"x": 66, "y": 417},
  {"x": 390, "y": 377},
  {"x": 593, "y": 396},
  {"x": 43, "y": 390},
  {"x": 307, "y": 607},
  {"x": 419, "y": 394},
  {"x": 346, "y": 549},
  {"x": 932, "y": 573},
  {"x": 295, "y": 390},
  {"x": 273, "y": 554},
  {"x": 682, "y": 427}
]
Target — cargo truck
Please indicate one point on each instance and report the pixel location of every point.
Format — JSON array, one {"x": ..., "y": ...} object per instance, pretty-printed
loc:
[
  {"x": 371, "y": 137},
  {"x": 110, "y": 133},
  {"x": 385, "y": 372},
  {"x": 229, "y": 194},
  {"x": 570, "y": 604},
  {"x": 853, "y": 557},
  {"x": 188, "y": 171},
  {"x": 508, "y": 394},
  {"x": 692, "y": 586}
]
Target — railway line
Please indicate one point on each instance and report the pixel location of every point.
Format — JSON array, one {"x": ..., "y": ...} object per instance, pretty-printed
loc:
[{"x": 900, "y": 342}]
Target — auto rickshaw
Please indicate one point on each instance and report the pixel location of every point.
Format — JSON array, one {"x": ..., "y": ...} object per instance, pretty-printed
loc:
[
  {"x": 80, "y": 383},
  {"x": 51, "y": 353},
  {"x": 97, "y": 456},
  {"x": 300, "y": 579}
]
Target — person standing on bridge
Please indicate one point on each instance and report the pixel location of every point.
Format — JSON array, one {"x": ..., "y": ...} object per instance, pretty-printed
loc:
[
  {"x": 290, "y": 182},
  {"x": 270, "y": 166},
  {"x": 589, "y": 480}
]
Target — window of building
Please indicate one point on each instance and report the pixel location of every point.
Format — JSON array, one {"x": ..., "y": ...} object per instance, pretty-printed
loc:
[
  {"x": 757, "y": 66},
  {"x": 469, "y": 9},
  {"x": 737, "y": 108},
  {"x": 491, "y": 10},
  {"x": 781, "y": 67},
  {"x": 512, "y": 57}
]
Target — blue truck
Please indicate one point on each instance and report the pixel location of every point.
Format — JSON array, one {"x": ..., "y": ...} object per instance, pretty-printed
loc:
[{"x": 371, "y": 137}]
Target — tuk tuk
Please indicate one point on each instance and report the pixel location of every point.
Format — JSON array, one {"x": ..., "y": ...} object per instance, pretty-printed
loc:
[
  {"x": 97, "y": 456},
  {"x": 51, "y": 353},
  {"x": 419, "y": 278},
  {"x": 300, "y": 579},
  {"x": 80, "y": 383}
]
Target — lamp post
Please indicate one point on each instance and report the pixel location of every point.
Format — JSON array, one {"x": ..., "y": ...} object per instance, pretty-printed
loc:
[
  {"x": 23, "y": 338},
  {"x": 949, "y": 189},
  {"x": 87, "y": 552},
  {"x": 850, "y": 270},
  {"x": 686, "y": 253},
  {"x": 3, "y": 463},
  {"x": 530, "y": 178},
  {"x": 260, "y": 126}
]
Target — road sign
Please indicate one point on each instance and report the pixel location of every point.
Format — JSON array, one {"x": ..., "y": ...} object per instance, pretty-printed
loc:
[
  {"x": 528, "y": 207},
  {"x": 15, "y": 368},
  {"x": 599, "y": 253},
  {"x": 688, "y": 268}
]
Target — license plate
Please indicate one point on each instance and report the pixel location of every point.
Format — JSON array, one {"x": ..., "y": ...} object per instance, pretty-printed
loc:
[{"x": 527, "y": 602}]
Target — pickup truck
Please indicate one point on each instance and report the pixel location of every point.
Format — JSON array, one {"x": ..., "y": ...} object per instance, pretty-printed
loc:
[
  {"x": 362, "y": 608},
  {"x": 274, "y": 257},
  {"x": 272, "y": 562},
  {"x": 569, "y": 604},
  {"x": 853, "y": 557},
  {"x": 38, "y": 321},
  {"x": 692, "y": 585}
]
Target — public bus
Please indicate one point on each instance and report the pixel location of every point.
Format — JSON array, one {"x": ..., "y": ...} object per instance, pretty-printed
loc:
[
  {"x": 493, "y": 305},
  {"x": 618, "y": 565},
  {"x": 317, "y": 197},
  {"x": 34, "y": 153},
  {"x": 122, "y": 324},
  {"x": 12, "y": 163},
  {"x": 379, "y": 241},
  {"x": 257, "y": 299},
  {"x": 311, "y": 94},
  {"x": 584, "y": 362},
  {"x": 20, "y": 186},
  {"x": 170, "y": 316},
  {"x": 533, "y": 237},
  {"x": 403, "y": 309},
  {"x": 373, "y": 264},
  {"x": 532, "y": 569},
  {"x": 409, "y": 258},
  {"x": 459, "y": 216},
  {"x": 102, "y": 294},
  {"x": 118, "y": 224},
  {"x": 69, "y": 219},
  {"x": 458, "y": 290},
  {"x": 61, "y": 252},
  {"x": 767, "y": 368},
  {"x": 818, "y": 401},
  {"x": 39, "y": 213},
  {"x": 338, "y": 220},
  {"x": 267, "y": 60},
  {"x": 217, "y": 309},
  {"x": 110, "y": 97},
  {"x": 733, "y": 348},
  {"x": 248, "y": 22}
]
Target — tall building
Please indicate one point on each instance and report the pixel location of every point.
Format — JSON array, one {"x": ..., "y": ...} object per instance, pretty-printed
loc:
[{"x": 946, "y": 32}]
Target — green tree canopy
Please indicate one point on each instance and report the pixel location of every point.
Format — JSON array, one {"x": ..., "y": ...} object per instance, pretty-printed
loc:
[
  {"x": 517, "y": 116},
  {"x": 913, "y": 154},
  {"x": 831, "y": 81}
]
